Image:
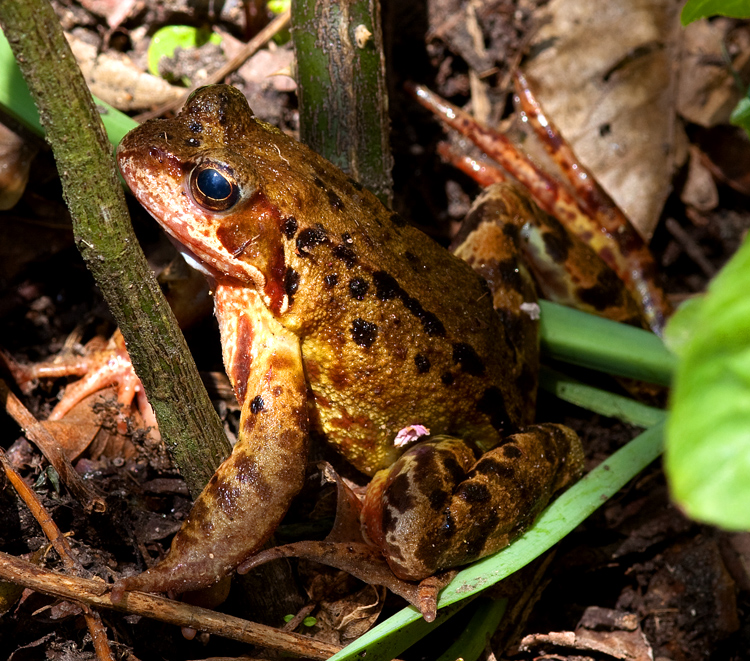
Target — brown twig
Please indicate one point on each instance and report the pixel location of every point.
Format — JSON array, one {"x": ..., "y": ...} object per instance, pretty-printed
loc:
[
  {"x": 691, "y": 248},
  {"x": 50, "y": 448},
  {"x": 94, "y": 593},
  {"x": 248, "y": 50},
  {"x": 60, "y": 544},
  {"x": 98, "y": 634},
  {"x": 38, "y": 511}
]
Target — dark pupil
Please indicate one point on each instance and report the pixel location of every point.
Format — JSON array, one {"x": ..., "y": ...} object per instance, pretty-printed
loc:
[{"x": 213, "y": 184}]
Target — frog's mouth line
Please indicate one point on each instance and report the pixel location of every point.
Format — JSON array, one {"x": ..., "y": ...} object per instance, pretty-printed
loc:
[{"x": 193, "y": 260}]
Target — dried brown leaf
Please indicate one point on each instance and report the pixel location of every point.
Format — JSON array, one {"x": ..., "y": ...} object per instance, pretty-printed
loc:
[{"x": 614, "y": 97}]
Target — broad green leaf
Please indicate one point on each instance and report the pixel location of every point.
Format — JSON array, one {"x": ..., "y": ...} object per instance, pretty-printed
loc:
[
  {"x": 166, "y": 40},
  {"x": 681, "y": 327},
  {"x": 277, "y": 7},
  {"x": 696, "y": 9},
  {"x": 708, "y": 435}
]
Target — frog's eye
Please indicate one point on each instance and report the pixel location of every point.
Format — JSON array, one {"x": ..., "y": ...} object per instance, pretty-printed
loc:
[{"x": 213, "y": 188}]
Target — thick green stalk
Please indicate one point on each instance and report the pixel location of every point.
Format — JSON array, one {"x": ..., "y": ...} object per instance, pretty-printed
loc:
[
  {"x": 105, "y": 238},
  {"x": 342, "y": 92}
]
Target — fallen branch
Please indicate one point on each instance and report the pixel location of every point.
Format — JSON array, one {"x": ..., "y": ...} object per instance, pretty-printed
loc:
[{"x": 95, "y": 593}]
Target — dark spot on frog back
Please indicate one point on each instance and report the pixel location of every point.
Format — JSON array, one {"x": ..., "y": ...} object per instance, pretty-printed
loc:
[
  {"x": 337, "y": 204},
  {"x": 331, "y": 280},
  {"x": 387, "y": 288},
  {"x": 364, "y": 333},
  {"x": 422, "y": 362},
  {"x": 345, "y": 254},
  {"x": 358, "y": 288},
  {"x": 466, "y": 356},
  {"x": 492, "y": 404},
  {"x": 309, "y": 238},
  {"x": 415, "y": 264},
  {"x": 195, "y": 126},
  {"x": 291, "y": 283},
  {"x": 289, "y": 227},
  {"x": 398, "y": 220}
]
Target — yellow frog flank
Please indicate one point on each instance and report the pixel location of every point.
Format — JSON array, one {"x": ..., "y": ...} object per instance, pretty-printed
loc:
[{"x": 339, "y": 319}]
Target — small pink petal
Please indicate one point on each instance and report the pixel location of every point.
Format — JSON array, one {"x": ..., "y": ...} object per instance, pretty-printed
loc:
[{"x": 410, "y": 434}]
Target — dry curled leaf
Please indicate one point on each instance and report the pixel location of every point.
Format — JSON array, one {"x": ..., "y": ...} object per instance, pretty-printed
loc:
[
  {"x": 614, "y": 98},
  {"x": 117, "y": 81},
  {"x": 605, "y": 633}
]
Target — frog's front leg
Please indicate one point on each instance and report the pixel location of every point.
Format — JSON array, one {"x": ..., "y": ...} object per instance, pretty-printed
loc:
[
  {"x": 251, "y": 491},
  {"x": 438, "y": 507}
]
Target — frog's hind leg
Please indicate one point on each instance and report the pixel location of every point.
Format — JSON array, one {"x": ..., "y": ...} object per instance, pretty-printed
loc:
[
  {"x": 489, "y": 241},
  {"x": 591, "y": 215},
  {"x": 566, "y": 269},
  {"x": 437, "y": 507}
]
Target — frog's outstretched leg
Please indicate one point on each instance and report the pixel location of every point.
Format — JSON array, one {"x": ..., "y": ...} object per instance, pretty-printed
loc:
[
  {"x": 437, "y": 507},
  {"x": 250, "y": 493},
  {"x": 610, "y": 234}
]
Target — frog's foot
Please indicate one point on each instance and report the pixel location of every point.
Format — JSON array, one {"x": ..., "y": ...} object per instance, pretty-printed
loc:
[
  {"x": 438, "y": 507},
  {"x": 590, "y": 215},
  {"x": 100, "y": 367}
]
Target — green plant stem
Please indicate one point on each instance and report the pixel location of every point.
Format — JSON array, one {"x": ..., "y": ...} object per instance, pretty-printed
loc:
[
  {"x": 342, "y": 93},
  {"x": 582, "y": 339},
  {"x": 103, "y": 234}
]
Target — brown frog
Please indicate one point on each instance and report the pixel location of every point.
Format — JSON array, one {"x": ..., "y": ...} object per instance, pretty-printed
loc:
[{"x": 339, "y": 319}]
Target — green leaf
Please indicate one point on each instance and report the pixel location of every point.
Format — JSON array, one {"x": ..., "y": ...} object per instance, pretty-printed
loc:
[
  {"x": 696, "y": 9},
  {"x": 599, "y": 401},
  {"x": 277, "y": 7},
  {"x": 474, "y": 637},
  {"x": 169, "y": 38},
  {"x": 741, "y": 114},
  {"x": 708, "y": 435},
  {"x": 680, "y": 329}
]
